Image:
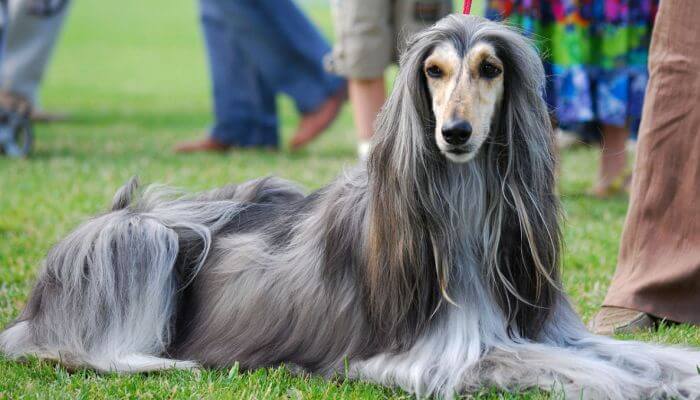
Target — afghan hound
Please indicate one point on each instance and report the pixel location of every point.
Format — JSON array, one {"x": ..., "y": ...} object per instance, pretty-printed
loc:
[{"x": 434, "y": 268}]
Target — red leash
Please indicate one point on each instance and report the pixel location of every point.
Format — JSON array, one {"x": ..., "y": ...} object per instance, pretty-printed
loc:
[{"x": 467, "y": 7}]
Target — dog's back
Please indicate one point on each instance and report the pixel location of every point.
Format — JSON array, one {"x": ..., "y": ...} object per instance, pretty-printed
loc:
[{"x": 106, "y": 297}]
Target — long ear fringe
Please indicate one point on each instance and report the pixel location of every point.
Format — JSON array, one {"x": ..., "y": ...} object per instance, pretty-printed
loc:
[
  {"x": 402, "y": 295},
  {"x": 524, "y": 253}
]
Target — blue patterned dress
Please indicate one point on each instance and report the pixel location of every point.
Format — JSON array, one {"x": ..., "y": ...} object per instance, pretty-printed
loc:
[{"x": 595, "y": 54}]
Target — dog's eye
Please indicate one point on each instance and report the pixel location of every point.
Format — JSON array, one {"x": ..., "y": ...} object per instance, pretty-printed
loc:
[
  {"x": 434, "y": 71},
  {"x": 488, "y": 70}
]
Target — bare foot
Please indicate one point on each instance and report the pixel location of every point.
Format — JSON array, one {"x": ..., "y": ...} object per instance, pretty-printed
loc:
[
  {"x": 600, "y": 191},
  {"x": 202, "y": 145},
  {"x": 618, "y": 186},
  {"x": 314, "y": 123},
  {"x": 613, "y": 161}
]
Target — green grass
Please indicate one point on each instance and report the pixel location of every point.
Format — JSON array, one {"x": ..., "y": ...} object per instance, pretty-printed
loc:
[{"x": 132, "y": 75}]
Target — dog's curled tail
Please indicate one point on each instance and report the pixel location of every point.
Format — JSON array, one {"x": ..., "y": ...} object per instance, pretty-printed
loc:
[{"x": 107, "y": 294}]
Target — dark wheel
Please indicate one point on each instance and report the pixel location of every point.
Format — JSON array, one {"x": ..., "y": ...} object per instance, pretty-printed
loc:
[
  {"x": 24, "y": 138},
  {"x": 16, "y": 132},
  {"x": 17, "y": 137}
]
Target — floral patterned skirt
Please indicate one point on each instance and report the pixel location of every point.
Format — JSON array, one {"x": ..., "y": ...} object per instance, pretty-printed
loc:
[{"x": 595, "y": 54}]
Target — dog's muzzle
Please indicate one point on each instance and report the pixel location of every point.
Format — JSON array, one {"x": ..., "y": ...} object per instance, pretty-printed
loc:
[{"x": 456, "y": 134}]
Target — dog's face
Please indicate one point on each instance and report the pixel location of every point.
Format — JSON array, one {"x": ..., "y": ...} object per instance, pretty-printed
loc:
[{"x": 466, "y": 92}]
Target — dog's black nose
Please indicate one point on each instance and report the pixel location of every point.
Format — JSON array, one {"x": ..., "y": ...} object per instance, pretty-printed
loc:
[{"x": 457, "y": 132}]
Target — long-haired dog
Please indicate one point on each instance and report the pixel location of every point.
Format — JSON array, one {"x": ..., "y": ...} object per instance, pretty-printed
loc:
[{"x": 435, "y": 268}]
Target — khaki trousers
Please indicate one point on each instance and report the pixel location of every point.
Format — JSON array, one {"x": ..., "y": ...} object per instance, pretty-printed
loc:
[
  {"x": 370, "y": 33},
  {"x": 658, "y": 271}
]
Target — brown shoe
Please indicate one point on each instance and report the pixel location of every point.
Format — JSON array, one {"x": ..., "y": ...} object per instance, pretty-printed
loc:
[
  {"x": 202, "y": 145},
  {"x": 314, "y": 123},
  {"x": 613, "y": 320}
]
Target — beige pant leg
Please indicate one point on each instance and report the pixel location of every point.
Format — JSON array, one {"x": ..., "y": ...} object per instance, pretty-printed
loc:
[
  {"x": 371, "y": 33},
  {"x": 658, "y": 270},
  {"x": 364, "y": 36}
]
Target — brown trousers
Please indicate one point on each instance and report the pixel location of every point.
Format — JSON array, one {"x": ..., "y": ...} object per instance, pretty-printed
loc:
[{"x": 658, "y": 271}]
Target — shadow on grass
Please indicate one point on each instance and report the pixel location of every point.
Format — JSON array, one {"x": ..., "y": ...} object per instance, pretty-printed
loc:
[{"x": 145, "y": 118}]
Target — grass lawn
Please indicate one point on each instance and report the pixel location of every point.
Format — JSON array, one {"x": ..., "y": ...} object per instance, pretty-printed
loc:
[{"x": 132, "y": 75}]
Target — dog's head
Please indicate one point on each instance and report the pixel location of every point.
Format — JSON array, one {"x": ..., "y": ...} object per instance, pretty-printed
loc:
[
  {"x": 465, "y": 82},
  {"x": 466, "y": 88}
]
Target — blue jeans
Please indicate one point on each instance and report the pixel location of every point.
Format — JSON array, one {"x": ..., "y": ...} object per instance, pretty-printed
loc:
[
  {"x": 30, "y": 36},
  {"x": 257, "y": 48}
]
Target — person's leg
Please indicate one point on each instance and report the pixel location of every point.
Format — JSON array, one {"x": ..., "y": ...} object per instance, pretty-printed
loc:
[
  {"x": 613, "y": 159},
  {"x": 366, "y": 97},
  {"x": 368, "y": 35},
  {"x": 244, "y": 106},
  {"x": 288, "y": 51},
  {"x": 658, "y": 271},
  {"x": 30, "y": 37},
  {"x": 266, "y": 133},
  {"x": 364, "y": 48},
  {"x": 286, "y": 47}
]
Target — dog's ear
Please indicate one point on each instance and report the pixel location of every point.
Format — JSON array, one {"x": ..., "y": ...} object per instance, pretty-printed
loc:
[
  {"x": 525, "y": 246},
  {"x": 404, "y": 127},
  {"x": 401, "y": 291}
]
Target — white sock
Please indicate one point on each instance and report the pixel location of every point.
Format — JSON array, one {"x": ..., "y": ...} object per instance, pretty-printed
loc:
[{"x": 363, "y": 148}]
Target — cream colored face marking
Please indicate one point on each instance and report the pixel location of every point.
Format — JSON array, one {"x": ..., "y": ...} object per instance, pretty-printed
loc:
[{"x": 464, "y": 89}]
